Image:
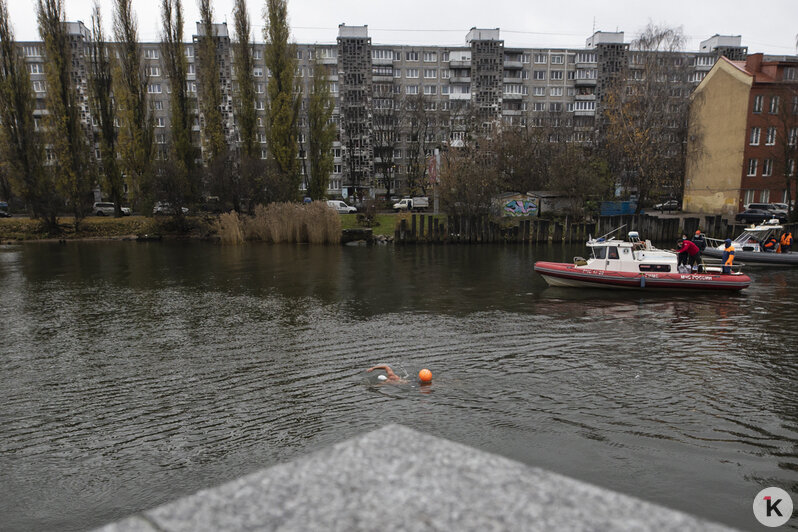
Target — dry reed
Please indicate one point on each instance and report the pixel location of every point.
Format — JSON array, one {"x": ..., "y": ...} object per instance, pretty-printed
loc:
[
  {"x": 229, "y": 227},
  {"x": 314, "y": 223}
]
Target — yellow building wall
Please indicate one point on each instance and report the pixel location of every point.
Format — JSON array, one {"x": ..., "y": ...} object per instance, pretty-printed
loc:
[{"x": 718, "y": 118}]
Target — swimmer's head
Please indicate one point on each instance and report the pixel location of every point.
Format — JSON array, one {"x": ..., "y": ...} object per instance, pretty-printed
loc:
[{"x": 382, "y": 377}]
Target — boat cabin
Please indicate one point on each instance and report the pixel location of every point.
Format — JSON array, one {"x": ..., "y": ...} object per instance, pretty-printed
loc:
[
  {"x": 752, "y": 237},
  {"x": 633, "y": 255}
]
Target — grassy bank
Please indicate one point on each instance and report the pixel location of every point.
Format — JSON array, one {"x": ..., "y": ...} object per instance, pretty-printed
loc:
[
  {"x": 99, "y": 227},
  {"x": 210, "y": 226}
]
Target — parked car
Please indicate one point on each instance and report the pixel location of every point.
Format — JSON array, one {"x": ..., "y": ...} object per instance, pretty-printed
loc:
[
  {"x": 341, "y": 207},
  {"x": 670, "y": 205},
  {"x": 4, "y": 210},
  {"x": 768, "y": 207},
  {"x": 106, "y": 208},
  {"x": 757, "y": 216},
  {"x": 163, "y": 207}
]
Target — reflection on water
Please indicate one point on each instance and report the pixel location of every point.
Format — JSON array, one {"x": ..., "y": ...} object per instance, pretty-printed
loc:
[{"x": 136, "y": 373}]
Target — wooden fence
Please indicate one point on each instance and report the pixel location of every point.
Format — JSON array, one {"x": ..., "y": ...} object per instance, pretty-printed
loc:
[{"x": 472, "y": 230}]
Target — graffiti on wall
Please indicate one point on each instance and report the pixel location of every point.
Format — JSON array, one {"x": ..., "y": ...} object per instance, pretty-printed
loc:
[{"x": 517, "y": 207}]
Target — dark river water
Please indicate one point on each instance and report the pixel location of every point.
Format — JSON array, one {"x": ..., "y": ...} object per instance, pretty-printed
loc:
[{"x": 133, "y": 374}]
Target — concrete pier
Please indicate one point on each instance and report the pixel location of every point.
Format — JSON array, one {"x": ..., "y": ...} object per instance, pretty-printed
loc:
[{"x": 396, "y": 478}]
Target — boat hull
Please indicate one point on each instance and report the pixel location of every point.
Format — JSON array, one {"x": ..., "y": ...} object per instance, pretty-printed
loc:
[
  {"x": 756, "y": 257},
  {"x": 569, "y": 275}
]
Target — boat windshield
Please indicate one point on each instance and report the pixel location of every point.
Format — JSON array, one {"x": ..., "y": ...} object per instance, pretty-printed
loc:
[
  {"x": 755, "y": 235},
  {"x": 599, "y": 252}
]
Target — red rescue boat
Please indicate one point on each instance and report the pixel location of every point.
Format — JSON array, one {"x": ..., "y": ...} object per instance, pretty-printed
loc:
[{"x": 636, "y": 265}]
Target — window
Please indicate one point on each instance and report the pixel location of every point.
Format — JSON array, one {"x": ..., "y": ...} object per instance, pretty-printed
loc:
[
  {"x": 556, "y": 74},
  {"x": 257, "y": 72},
  {"x": 411, "y": 56},
  {"x": 412, "y": 73},
  {"x": 189, "y": 51},
  {"x": 327, "y": 53},
  {"x": 152, "y": 53},
  {"x": 160, "y": 121},
  {"x": 791, "y": 167},
  {"x": 299, "y": 54},
  {"x": 36, "y": 68},
  {"x": 758, "y": 104},
  {"x": 160, "y": 138},
  {"x": 585, "y": 57},
  {"x": 430, "y": 73},
  {"x": 430, "y": 57},
  {"x": 774, "y": 105},
  {"x": 153, "y": 71},
  {"x": 32, "y": 51},
  {"x": 555, "y": 107},
  {"x": 191, "y": 68},
  {"x": 790, "y": 73},
  {"x": 752, "y": 163},
  {"x": 446, "y": 73},
  {"x": 748, "y": 197},
  {"x": 259, "y": 88},
  {"x": 792, "y": 137},
  {"x": 556, "y": 91},
  {"x": 705, "y": 60},
  {"x": 397, "y": 72},
  {"x": 525, "y": 58},
  {"x": 540, "y": 58},
  {"x": 259, "y": 105},
  {"x": 429, "y": 106},
  {"x": 557, "y": 60},
  {"x": 336, "y": 168},
  {"x": 38, "y": 86},
  {"x": 334, "y": 87},
  {"x": 191, "y": 87},
  {"x": 767, "y": 169},
  {"x": 412, "y": 89},
  {"x": 755, "y": 131},
  {"x": 157, "y": 105},
  {"x": 771, "y": 138},
  {"x": 764, "y": 196},
  {"x": 337, "y": 153},
  {"x": 154, "y": 88},
  {"x": 382, "y": 54},
  {"x": 539, "y": 91},
  {"x": 538, "y": 107},
  {"x": 539, "y": 74},
  {"x": 430, "y": 90},
  {"x": 445, "y": 57}
]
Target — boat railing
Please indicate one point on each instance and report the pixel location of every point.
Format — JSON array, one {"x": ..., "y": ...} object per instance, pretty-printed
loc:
[{"x": 715, "y": 265}]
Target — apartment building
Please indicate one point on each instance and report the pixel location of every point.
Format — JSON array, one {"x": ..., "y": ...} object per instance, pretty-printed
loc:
[
  {"x": 396, "y": 104},
  {"x": 747, "y": 142}
]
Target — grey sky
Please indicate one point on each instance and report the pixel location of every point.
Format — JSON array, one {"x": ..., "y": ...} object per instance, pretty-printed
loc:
[{"x": 768, "y": 26}]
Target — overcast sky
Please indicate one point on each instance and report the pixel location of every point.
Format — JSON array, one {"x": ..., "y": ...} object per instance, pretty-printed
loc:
[{"x": 768, "y": 26}]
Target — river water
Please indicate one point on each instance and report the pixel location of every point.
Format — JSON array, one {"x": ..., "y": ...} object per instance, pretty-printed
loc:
[{"x": 134, "y": 373}]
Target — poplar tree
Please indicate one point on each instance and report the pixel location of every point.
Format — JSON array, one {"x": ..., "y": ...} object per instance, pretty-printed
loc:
[
  {"x": 282, "y": 110},
  {"x": 104, "y": 110},
  {"x": 214, "y": 143},
  {"x": 250, "y": 170},
  {"x": 66, "y": 134},
  {"x": 136, "y": 120},
  {"x": 321, "y": 133},
  {"x": 177, "y": 181},
  {"x": 23, "y": 151}
]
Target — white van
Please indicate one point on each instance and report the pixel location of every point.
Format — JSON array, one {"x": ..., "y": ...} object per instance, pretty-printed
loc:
[{"x": 341, "y": 207}]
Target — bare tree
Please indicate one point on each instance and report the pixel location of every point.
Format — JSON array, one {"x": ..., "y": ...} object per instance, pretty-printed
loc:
[
  {"x": 646, "y": 115},
  {"x": 67, "y": 134},
  {"x": 104, "y": 110},
  {"x": 136, "y": 122},
  {"x": 469, "y": 179},
  {"x": 387, "y": 113},
  {"x": 321, "y": 133},
  {"x": 784, "y": 122}
]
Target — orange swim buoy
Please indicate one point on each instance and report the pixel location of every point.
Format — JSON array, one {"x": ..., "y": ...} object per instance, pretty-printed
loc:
[{"x": 425, "y": 375}]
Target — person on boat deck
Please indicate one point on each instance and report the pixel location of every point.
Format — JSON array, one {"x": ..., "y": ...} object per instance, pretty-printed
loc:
[
  {"x": 786, "y": 242},
  {"x": 698, "y": 240},
  {"x": 688, "y": 254},
  {"x": 391, "y": 376},
  {"x": 728, "y": 256},
  {"x": 770, "y": 244}
]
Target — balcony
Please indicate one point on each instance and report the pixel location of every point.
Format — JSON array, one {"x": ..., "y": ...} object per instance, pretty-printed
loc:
[
  {"x": 460, "y": 79},
  {"x": 381, "y": 78},
  {"x": 459, "y": 96},
  {"x": 512, "y": 96},
  {"x": 513, "y": 65},
  {"x": 512, "y": 80},
  {"x": 585, "y": 82},
  {"x": 328, "y": 60},
  {"x": 585, "y": 97},
  {"x": 589, "y": 112},
  {"x": 382, "y": 61},
  {"x": 460, "y": 64},
  {"x": 512, "y": 112}
]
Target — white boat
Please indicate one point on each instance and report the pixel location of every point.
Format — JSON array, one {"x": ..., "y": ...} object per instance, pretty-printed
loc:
[
  {"x": 748, "y": 245},
  {"x": 635, "y": 264}
]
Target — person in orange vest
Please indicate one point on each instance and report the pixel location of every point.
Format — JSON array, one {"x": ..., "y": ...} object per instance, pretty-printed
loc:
[
  {"x": 728, "y": 256},
  {"x": 786, "y": 242},
  {"x": 770, "y": 244}
]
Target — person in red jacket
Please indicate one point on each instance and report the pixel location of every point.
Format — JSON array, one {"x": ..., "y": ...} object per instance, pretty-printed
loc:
[{"x": 688, "y": 254}]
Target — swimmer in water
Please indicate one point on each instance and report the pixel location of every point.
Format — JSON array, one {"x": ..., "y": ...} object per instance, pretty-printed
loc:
[{"x": 389, "y": 377}]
